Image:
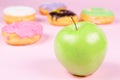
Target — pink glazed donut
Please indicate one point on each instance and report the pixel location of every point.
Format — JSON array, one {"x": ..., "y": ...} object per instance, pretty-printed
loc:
[{"x": 22, "y": 33}]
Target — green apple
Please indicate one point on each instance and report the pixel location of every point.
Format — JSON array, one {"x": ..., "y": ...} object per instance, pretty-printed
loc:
[{"x": 81, "y": 50}]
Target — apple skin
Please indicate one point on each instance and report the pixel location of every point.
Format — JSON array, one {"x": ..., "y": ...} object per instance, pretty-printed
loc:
[{"x": 81, "y": 51}]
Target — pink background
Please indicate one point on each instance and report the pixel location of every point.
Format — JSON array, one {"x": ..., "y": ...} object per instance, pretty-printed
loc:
[{"x": 38, "y": 61}]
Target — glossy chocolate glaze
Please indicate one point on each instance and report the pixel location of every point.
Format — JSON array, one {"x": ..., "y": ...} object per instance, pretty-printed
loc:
[{"x": 61, "y": 13}]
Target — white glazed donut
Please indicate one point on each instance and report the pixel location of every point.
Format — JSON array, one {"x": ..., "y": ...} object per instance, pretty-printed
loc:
[{"x": 18, "y": 13}]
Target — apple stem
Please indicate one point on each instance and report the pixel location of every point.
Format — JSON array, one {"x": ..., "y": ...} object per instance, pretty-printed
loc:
[{"x": 74, "y": 23}]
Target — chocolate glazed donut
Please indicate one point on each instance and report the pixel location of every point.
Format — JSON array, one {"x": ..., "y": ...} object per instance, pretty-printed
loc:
[{"x": 61, "y": 13}]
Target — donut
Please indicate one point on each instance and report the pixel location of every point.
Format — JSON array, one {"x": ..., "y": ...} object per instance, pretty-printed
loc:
[
  {"x": 18, "y": 13},
  {"x": 45, "y": 8},
  {"x": 62, "y": 17},
  {"x": 97, "y": 15},
  {"x": 22, "y": 33}
]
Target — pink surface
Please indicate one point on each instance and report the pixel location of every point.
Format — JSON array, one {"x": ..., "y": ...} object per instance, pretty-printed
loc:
[{"x": 38, "y": 61}]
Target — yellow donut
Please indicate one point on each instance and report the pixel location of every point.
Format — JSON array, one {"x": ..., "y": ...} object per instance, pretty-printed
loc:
[{"x": 62, "y": 17}]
